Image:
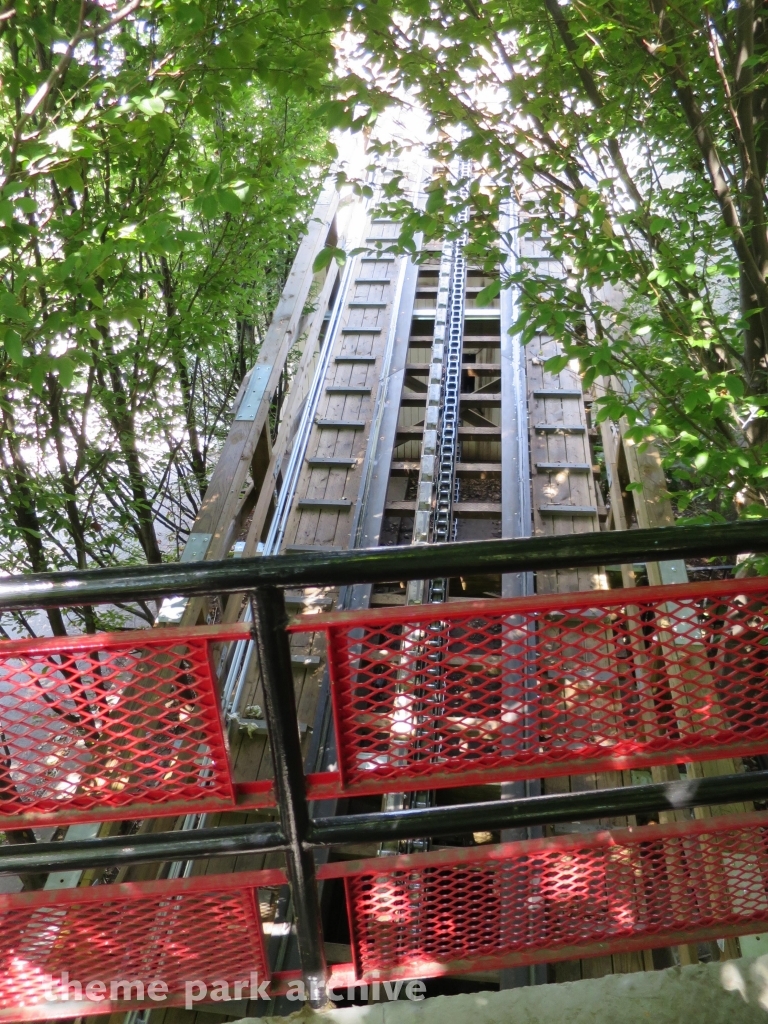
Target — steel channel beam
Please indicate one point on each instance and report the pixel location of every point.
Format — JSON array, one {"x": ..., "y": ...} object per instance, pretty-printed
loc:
[
  {"x": 270, "y": 618},
  {"x": 516, "y": 515},
  {"x": 452, "y": 820},
  {"x": 377, "y": 565}
]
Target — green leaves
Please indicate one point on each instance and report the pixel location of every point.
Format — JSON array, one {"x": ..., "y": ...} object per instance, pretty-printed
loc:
[
  {"x": 69, "y": 176},
  {"x": 150, "y": 105},
  {"x": 12, "y": 309},
  {"x": 647, "y": 283},
  {"x": 148, "y": 220},
  {"x": 90, "y": 291},
  {"x": 12, "y": 345},
  {"x": 326, "y": 255},
  {"x": 229, "y": 201},
  {"x": 488, "y": 294},
  {"x": 190, "y": 17},
  {"x": 435, "y": 200},
  {"x": 66, "y": 370},
  {"x": 556, "y": 364}
]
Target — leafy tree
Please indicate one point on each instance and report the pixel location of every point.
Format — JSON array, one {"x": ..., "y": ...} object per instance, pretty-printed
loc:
[
  {"x": 632, "y": 134},
  {"x": 158, "y": 164}
]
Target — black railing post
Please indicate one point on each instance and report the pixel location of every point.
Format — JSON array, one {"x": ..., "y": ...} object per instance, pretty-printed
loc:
[{"x": 270, "y": 619}]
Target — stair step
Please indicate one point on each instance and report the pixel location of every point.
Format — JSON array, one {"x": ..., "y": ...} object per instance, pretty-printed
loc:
[
  {"x": 340, "y": 390},
  {"x": 576, "y": 467},
  {"x": 318, "y": 460},
  {"x": 361, "y": 330},
  {"x": 563, "y": 428},
  {"x": 334, "y": 503},
  {"x": 355, "y": 359},
  {"x": 557, "y": 393},
  {"x": 343, "y": 424},
  {"x": 568, "y": 510}
]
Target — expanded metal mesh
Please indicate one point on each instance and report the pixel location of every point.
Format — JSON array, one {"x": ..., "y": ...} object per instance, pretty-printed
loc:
[
  {"x": 549, "y": 685},
  {"x": 107, "y": 945},
  {"x": 101, "y": 722},
  {"x": 569, "y": 896}
]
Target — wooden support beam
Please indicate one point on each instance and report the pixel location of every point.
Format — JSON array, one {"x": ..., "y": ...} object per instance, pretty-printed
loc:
[{"x": 224, "y": 496}]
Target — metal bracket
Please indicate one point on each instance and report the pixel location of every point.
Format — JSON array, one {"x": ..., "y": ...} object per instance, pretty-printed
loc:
[{"x": 257, "y": 385}]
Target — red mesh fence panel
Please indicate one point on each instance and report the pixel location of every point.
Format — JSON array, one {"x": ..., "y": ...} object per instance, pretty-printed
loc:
[
  {"x": 107, "y": 936},
  {"x": 572, "y": 896},
  {"x": 93, "y": 724},
  {"x": 548, "y": 685}
]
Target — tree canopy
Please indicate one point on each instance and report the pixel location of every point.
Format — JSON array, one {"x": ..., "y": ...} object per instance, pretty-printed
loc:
[
  {"x": 159, "y": 162},
  {"x": 633, "y": 136},
  {"x": 159, "y": 159}
]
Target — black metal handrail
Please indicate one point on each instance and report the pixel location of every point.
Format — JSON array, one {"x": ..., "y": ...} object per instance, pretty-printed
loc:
[
  {"x": 386, "y": 826},
  {"x": 377, "y": 565}
]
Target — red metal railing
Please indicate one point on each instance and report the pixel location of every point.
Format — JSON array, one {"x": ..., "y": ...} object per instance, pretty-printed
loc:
[
  {"x": 130, "y": 725},
  {"x": 416, "y": 916},
  {"x": 543, "y": 686},
  {"x": 111, "y": 937},
  {"x": 475, "y": 691},
  {"x": 92, "y": 726},
  {"x": 576, "y": 896}
]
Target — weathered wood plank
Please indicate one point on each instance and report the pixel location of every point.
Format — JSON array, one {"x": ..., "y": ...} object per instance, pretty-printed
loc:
[{"x": 224, "y": 495}]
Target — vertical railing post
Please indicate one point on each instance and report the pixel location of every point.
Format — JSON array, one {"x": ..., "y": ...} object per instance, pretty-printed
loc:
[{"x": 270, "y": 619}]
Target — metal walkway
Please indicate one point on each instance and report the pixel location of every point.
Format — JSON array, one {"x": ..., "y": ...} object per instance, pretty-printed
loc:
[{"x": 606, "y": 690}]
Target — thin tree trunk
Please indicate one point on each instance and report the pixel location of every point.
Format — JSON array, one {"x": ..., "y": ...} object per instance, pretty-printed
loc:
[
  {"x": 182, "y": 372},
  {"x": 123, "y": 423},
  {"x": 69, "y": 489},
  {"x": 21, "y": 500}
]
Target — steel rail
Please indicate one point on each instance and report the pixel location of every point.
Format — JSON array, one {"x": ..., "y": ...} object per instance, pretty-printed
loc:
[
  {"x": 454, "y": 820},
  {"x": 144, "y": 848},
  {"x": 377, "y": 565}
]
